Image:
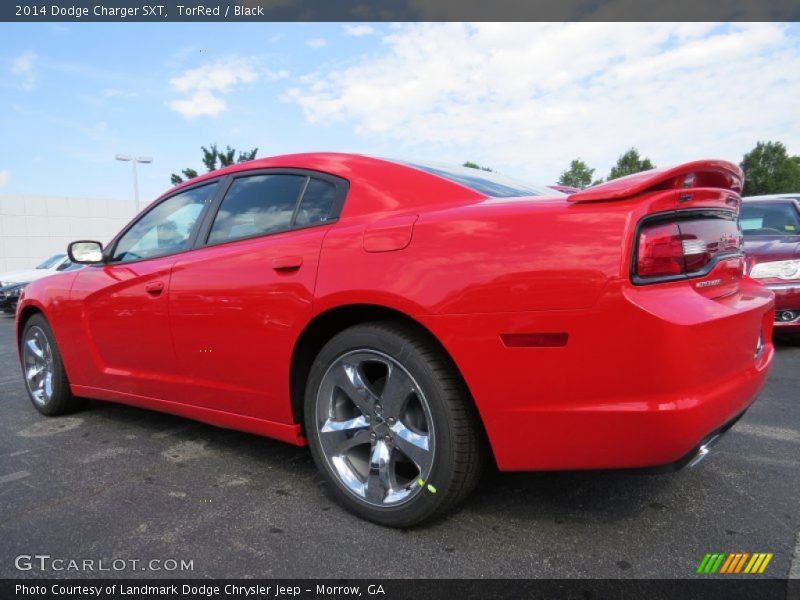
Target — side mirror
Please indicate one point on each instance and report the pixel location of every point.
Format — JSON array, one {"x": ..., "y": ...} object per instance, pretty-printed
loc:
[{"x": 85, "y": 252}]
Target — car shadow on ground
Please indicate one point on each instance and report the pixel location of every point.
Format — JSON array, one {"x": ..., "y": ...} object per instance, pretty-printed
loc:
[
  {"x": 785, "y": 340},
  {"x": 553, "y": 497},
  {"x": 570, "y": 496}
]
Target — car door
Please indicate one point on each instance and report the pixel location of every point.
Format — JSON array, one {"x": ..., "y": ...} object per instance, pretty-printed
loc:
[
  {"x": 124, "y": 302},
  {"x": 238, "y": 303}
]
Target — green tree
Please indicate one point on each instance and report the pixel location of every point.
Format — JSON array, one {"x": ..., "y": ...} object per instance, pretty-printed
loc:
[
  {"x": 213, "y": 159},
  {"x": 578, "y": 175},
  {"x": 629, "y": 163},
  {"x": 768, "y": 169},
  {"x": 474, "y": 165},
  {"x": 188, "y": 173}
]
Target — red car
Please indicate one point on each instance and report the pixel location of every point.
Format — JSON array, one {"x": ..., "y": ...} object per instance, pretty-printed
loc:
[
  {"x": 771, "y": 227},
  {"x": 409, "y": 321}
]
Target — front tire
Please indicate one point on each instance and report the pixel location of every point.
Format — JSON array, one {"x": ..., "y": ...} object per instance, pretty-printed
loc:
[
  {"x": 43, "y": 371},
  {"x": 391, "y": 426}
]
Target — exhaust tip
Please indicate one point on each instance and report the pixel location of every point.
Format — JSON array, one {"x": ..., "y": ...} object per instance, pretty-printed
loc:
[
  {"x": 760, "y": 345},
  {"x": 703, "y": 450}
]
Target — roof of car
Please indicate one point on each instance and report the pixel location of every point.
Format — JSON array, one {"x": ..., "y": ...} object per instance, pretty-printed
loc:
[
  {"x": 386, "y": 184},
  {"x": 333, "y": 162},
  {"x": 336, "y": 163}
]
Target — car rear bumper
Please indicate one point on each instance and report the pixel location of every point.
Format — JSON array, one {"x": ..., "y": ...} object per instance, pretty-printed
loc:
[{"x": 644, "y": 378}]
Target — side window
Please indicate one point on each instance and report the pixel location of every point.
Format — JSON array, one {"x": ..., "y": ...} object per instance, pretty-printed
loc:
[
  {"x": 316, "y": 204},
  {"x": 166, "y": 228},
  {"x": 256, "y": 205}
]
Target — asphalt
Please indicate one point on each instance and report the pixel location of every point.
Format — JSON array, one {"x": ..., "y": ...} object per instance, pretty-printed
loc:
[{"x": 119, "y": 483}]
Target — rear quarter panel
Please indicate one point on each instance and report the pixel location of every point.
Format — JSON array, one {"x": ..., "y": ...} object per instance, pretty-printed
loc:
[{"x": 522, "y": 255}]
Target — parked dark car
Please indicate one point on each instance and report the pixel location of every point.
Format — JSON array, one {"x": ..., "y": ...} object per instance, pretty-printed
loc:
[
  {"x": 9, "y": 296},
  {"x": 11, "y": 291},
  {"x": 771, "y": 228}
]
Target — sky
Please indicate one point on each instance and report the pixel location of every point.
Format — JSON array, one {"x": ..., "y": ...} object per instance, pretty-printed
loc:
[{"x": 522, "y": 98}]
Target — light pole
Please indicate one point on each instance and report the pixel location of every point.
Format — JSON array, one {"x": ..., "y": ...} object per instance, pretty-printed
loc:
[{"x": 134, "y": 160}]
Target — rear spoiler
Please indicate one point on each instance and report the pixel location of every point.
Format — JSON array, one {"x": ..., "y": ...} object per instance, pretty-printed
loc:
[{"x": 698, "y": 174}]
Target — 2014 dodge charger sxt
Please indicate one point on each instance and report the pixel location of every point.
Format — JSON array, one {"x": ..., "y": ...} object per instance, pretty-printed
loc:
[{"x": 408, "y": 321}]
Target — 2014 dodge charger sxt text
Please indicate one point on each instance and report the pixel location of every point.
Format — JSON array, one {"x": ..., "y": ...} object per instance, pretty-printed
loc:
[{"x": 409, "y": 321}]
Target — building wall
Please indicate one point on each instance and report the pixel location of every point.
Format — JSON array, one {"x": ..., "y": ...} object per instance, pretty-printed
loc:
[{"x": 35, "y": 227}]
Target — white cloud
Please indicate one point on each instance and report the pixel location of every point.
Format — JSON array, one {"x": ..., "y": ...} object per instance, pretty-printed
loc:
[
  {"x": 203, "y": 86},
  {"x": 217, "y": 76},
  {"x": 276, "y": 75},
  {"x": 317, "y": 43},
  {"x": 529, "y": 97},
  {"x": 4, "y": 178},
  {"x": 199, "y": 103},
  {"x": 23, "y": 68},
  {"x": 359, "y": 30}
]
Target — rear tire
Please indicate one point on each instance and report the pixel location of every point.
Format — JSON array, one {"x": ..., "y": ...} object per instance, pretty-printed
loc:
[
  {"x": 43, "y": 371},
  {"x": 391, "y": 425}
]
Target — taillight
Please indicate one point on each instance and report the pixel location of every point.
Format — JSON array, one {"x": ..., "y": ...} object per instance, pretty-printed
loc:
[
  {"x": 685, "y": 247},
  {"x": 660, "y": 251}
]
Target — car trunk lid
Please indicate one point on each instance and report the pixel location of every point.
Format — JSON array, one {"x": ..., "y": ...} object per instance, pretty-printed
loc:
[{"x": 685, "y": 224}]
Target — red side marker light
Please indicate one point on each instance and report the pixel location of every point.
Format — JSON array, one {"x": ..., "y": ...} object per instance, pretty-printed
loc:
[{"x": 534, "y": 340}]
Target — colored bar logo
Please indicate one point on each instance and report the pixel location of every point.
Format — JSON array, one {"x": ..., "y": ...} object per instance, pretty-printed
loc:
[{"x": 736, "y": 562}]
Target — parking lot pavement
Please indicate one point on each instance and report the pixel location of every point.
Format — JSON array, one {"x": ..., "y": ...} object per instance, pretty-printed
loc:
[{"x": 114, "y": 482}]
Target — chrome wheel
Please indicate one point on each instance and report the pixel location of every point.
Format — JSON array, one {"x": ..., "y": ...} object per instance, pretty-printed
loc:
[
  {"x": 375, "y": 428},
  {"x": 38, "y": 363}
]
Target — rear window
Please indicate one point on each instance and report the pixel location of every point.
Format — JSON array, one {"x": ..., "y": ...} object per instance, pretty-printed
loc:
[
  {"x": 484, "y": 182},
  {"x": 770, "y": 218},
  {"x": 315, "y": 207}
]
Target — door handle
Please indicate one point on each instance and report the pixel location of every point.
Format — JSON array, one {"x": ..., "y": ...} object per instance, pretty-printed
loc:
[
  {"x": 287, "y": 263},
  {"x": 154, "y": 288}
]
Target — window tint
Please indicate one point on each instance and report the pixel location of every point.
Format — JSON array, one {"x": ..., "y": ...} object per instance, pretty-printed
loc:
[
  {"x": 257, "y": 205},
  {"x": 770, "y": 218},
  {"x": 316, "y": 204},
  {"x": 485, "y": 182},
  {"x": 166, "y": 228}
]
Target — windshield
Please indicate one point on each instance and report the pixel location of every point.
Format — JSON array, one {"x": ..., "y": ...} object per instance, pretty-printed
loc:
[
  {"x": 770, "y": 218},
  {"x": 51, "y": 262},
  {"x": 485, "y": 182}
]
